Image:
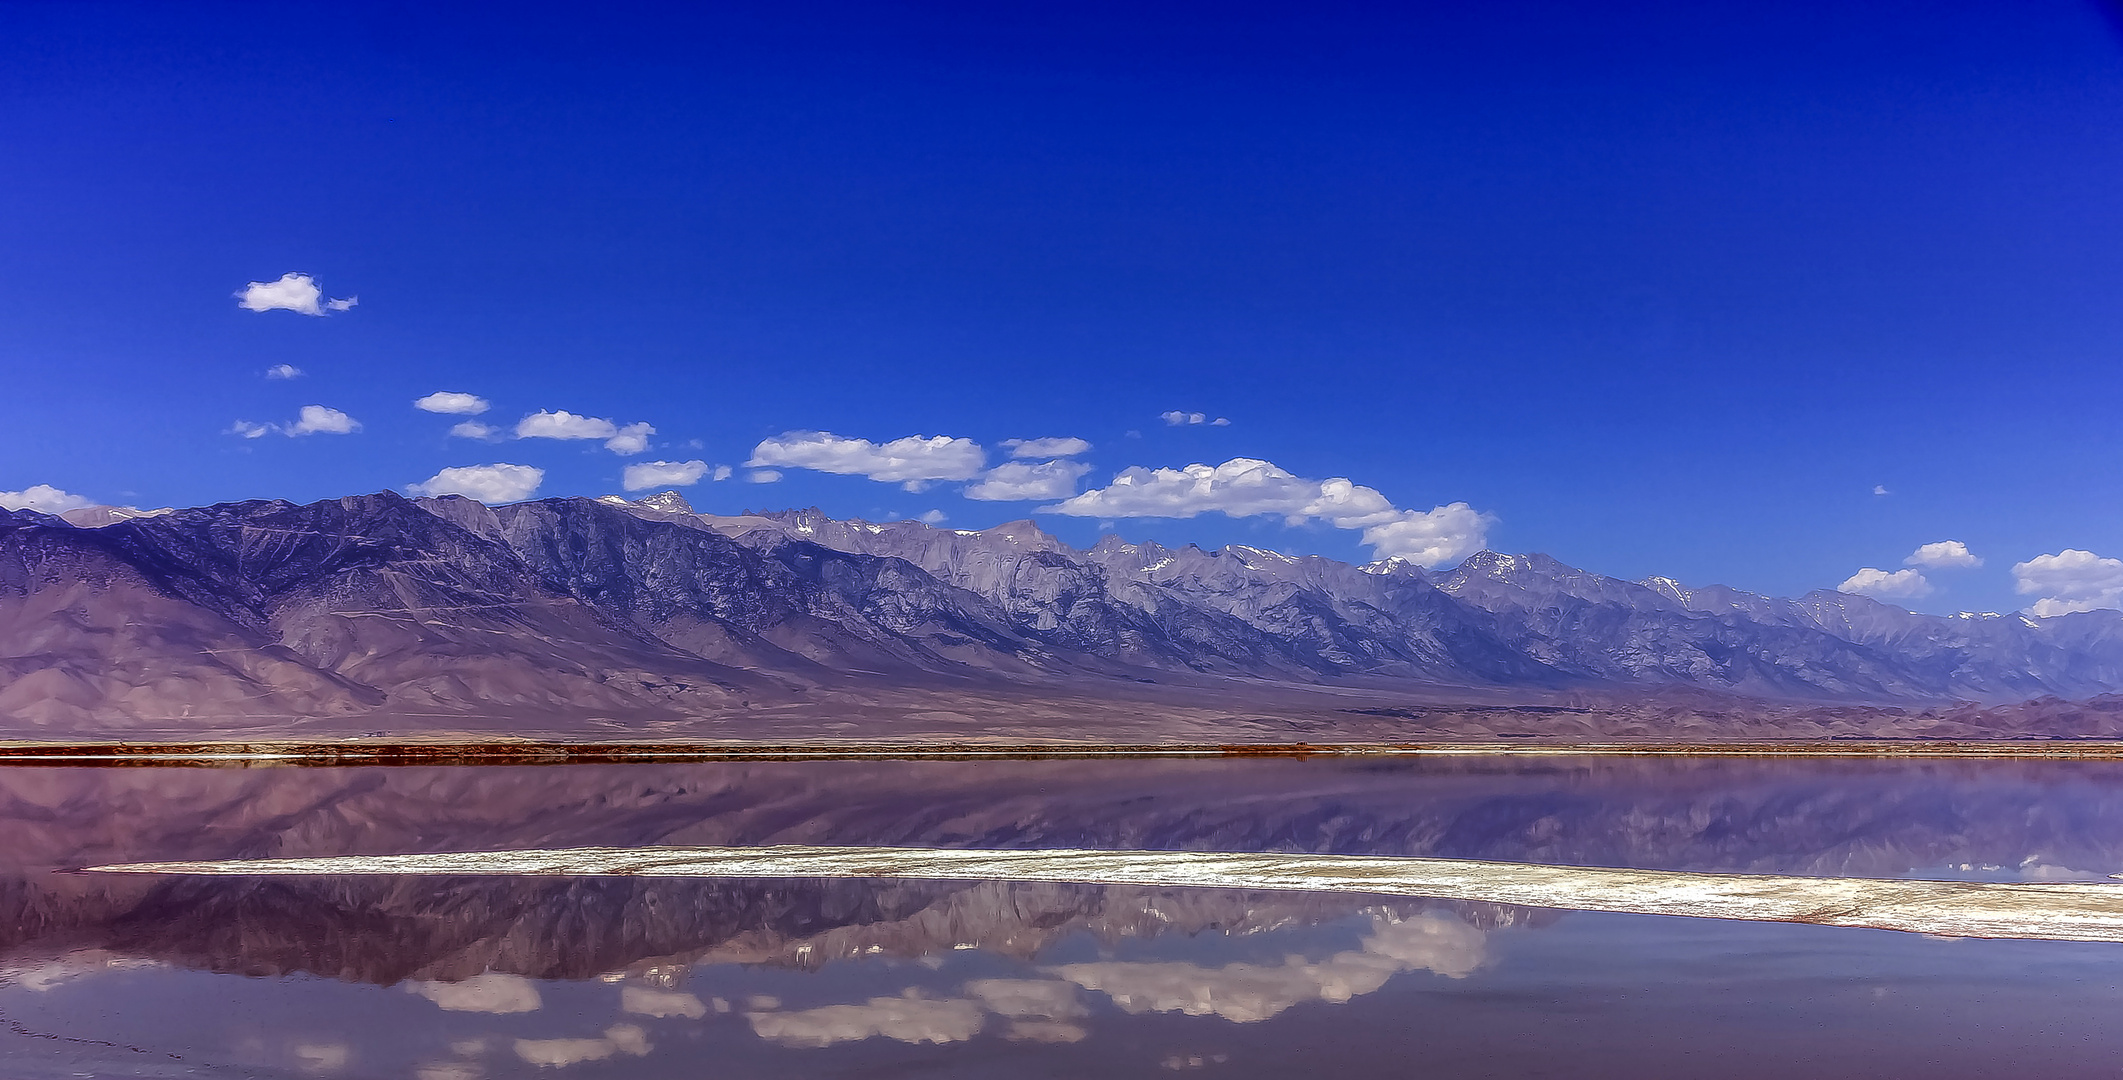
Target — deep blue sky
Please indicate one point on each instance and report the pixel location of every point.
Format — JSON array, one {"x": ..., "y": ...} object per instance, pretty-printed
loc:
[{"x": 1663, "y": 288}]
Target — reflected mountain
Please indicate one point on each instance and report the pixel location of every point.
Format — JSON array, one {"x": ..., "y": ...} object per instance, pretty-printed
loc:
[{"x": 2020, "y": 820}]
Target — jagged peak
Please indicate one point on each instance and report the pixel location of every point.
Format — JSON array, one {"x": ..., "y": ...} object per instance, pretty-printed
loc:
[{"x": 666, "y": 502}]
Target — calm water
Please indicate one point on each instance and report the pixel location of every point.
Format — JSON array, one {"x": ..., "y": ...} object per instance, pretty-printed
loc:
[{"x": 494, "y": 977}]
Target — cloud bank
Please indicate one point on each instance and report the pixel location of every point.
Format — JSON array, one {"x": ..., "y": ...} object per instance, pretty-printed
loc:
[
  {"x": 1247, "y": 487},
  {"x": 43, "y": 498},
  {"x": 2071, "y": 580},
  {"x": 1018, "y": 480},
  {"x": 913, "y": 461}
]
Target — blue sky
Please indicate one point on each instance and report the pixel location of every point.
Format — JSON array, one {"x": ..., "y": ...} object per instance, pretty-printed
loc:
[{"x": 1654, "y": 288}]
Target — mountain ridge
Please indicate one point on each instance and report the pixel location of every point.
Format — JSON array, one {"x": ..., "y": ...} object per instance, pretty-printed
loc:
[{"x": 627, "y": 614}]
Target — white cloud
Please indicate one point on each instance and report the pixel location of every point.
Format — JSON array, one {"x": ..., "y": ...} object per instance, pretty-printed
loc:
[
  {"x": 492, "y": 992},
  {"x": 1881, "y": 489},
  {"x": 1434, "y": 537},
  {"x": 283, "y": 371},
  {"x": 1018, "y": 480},
  {"x": 1943, "y": 555},
  {"x": 1191, "y": 419},
  {"x": 1046, "y": 448},
  {"x": 452, "y": 402},
  {"x": 933, "y": 517},
  {"x": 912, "y": 461},
  {"x": 347, "y": 304},
  {"x": 906, "y": 1019},
  {"x": 764, "y": 476},
  {"x": 1246, "y": 993},
  {"x": 1900, "y": 585},
  {"x": 631, "y": 439},
  {"x": 651, "y": 474},
  {"x": 562, "y": 424},
  {"x": 1243, "y": 487},
  {"x": 485, "y": 483},
  {"x": 474, "y": 429},
  {"x": 723, "y": 472},
  {"x": 293, "y": 292},
  {"x": 250, "y": 430},
  {"x": 43, "y": 498},
  {"x": 2071, "y": 580},
  {"x": 318, "y": 420}
]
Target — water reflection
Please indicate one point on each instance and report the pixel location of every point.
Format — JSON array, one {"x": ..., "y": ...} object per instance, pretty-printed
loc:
[{"x": 477, "y": 978}]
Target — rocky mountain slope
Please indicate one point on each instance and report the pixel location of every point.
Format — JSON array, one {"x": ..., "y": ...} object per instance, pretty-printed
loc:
[{"x": 628, "y": 615}]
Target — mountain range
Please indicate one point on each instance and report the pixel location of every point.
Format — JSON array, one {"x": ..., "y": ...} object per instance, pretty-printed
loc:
[{"x": 644, "y": 618}]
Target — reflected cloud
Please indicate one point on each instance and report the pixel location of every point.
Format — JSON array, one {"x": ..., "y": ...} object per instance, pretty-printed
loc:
[
  {"x": 642, "y": 1001},
  {"x": 322, "y": 1057},
  {"x": 906, "y": 1019},
  {"x": 43, "y": 977},
  {"x": 559, "y": 1053},
  {"x": 1245, "y": 993},
  {"x": 489, "y": 993},
  {"x": 448, "y": 1070}
]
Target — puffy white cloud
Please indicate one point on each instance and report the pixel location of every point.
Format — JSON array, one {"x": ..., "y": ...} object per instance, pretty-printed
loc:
[
  {"x": 631, "y": 439},
  {"x": 1191, "y": 419},
  {"x": 312, "y": 420},
  {"x": 764, "y": 476},
  {"x": 1246, "y": 993},
  {"x": 651, "y": 474},
  {"x": 723, "y": 472},
  {"x": 1243, "y": 487},
  {"x": 1900, "y": 585},
  {"x": 319, "y": 420},
  {"x": 1433, "y": 537},
  {"x": 932, "y": 517},
  {"x": 913, "y": 461},
  {"x": 492, "y": 992},
  {"x": 906, "y": 1019},
  {"x": 1945, "y": 554},
  {"x": 1019, "y": 480},
  {"x": 2071, "y": 580},
  {"x": 486, "y": 483},
  {"x": 1046, "y": 448},
  {"x": 44, "y": 499},
  {"x": 452, "y": 402},
  {"x": 474, "y": 429},
  {"x": 1881, "y": 489},
  {"x": 562, "y": 424},
  {"x": 293, "y": 292},
  {"x": 283, "y": 371}
]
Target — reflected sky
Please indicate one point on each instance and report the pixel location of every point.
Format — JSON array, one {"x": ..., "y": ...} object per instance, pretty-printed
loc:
[{"x": 496, "y": 977}]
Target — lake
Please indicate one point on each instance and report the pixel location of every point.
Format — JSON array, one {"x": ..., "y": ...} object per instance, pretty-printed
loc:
[{"x": 461, "y": 977}]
